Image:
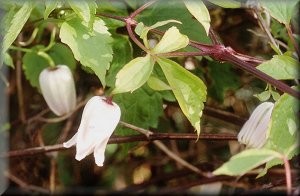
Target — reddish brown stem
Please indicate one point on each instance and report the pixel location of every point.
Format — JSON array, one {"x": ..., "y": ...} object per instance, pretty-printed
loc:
[{"x": 288, "y": 175}]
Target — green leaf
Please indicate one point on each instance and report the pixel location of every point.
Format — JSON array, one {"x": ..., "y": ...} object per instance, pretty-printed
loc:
[
  {"x": 134, "y": 74},
  {"x": 157, "y": 84},
  {"x": 17, "y": 24},
  {"x": 50, "y": 6},
  {"x": 86, "y": 10},
  {"x": 62, "y": 55},
  {"x": 264, "y": 96},
  {"x": 280, "y": 10},
  {"x": 33, "y": 65},
  {"x": 226, "y": 3},
  {"x": 281, "y": 135},
  {"x": 198, "y": 9},
  {"x": 223, "y": 78},
  {"x": 142, "y": 108},
  {"x": 175, "y": 10},
  {"x": 92, "y": 50},
  {"x": 281, "y": 67},
  {"x": 172, "y": 40},
  {"x": 145, "y": 30},
  {"x": 284, "y": 112},
  {"x": 245, "y": 161},
  {"x": 188, "y": 89},
  {"x": 120, "y": 44}
]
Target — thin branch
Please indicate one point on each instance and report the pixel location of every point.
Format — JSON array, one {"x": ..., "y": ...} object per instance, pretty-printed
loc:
[
  {"x": 142, "y": 8},
  {"x": 290, "y": 33},
  {"x": 24, "y": 185},
  {"x": 123, "y": 139}
]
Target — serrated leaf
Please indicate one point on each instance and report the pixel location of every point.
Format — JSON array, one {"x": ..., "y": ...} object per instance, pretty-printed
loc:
[
  {"x": 93, "y": 49},
  {"x": 223, "y": 78},
  {"x": 134, "y": 74},
  {"x": 50, "y": 5},
  {"x": 198, "y": 9},
  {"x": 157, "y": 84},
  {"x": 188, "y": 89},
  {"x": 86, "y": 10},
  {"x": 281, "y": 67},
  {"x": 17, "y": 23},
  {"x": 141, "y": 108},
  {"x": 280, "y": 10},
  {"x": 245, "y": 161},
  {"x": 172, "y": 40},
  {"x": 226, "y": 3}
]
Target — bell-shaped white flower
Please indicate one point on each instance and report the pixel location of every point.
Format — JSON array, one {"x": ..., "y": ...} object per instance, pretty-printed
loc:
[
  {"x": 99, "y": 119},
  {"x": 254, "y": 132},
  {"x": 58, "y": 89}
]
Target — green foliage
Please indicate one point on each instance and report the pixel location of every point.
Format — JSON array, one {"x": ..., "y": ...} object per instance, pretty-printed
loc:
[
  {"x": 86, "y": 10},
  {"x": 280, "y": 10},
  {"x": 142, "y": 108},
  {"x": 281, "y": 67},
  {"x": 198, "y": 9},
  {"x": 223, "y": 79},
  {"x": 134, "y": 74},
  {"x": 16, "y": 24},
  {"x": 188, "y": 89},
  {"x": 174, "y": 10},
  {"x": 226, "y": 3},
  {"x": 157, "y": 84},
  {"x": 50, "y": 5},
  {"x": 77, "y": 36},
  {"x": 245, "y": 161}
]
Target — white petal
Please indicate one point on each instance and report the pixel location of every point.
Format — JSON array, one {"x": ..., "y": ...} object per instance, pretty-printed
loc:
[
  {"x": 99, "y": 152},
  {"x": 99, "y": 119},
  {"x": 58, "y": 89},
  {"x": 71, "y": 142},
  {"x": 253, "y": 133}
]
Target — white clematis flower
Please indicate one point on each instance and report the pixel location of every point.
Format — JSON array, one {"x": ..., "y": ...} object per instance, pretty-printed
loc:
[
  {"x": 58, "y": 89},
  {"x": 254, "y": 132},
  {"x": 99, "y": 119}
]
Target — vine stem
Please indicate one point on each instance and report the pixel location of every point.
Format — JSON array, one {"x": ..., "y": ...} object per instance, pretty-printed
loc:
[
  {"x": 287, "y": 175},
  {"x": 142, "y": 8},
  {"x": 290, "y": 33}
]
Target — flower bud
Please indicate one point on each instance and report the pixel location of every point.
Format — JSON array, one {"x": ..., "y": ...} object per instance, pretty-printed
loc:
[
  {"x": 99, "y": 119},
  {"x": 254, "y": 132},
  {"x": 58, "y": 89}
]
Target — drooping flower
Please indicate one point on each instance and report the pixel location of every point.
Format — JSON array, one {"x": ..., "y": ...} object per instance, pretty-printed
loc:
[
  {"x": 58, "y": 89},
  {"x": 254, "y": 132},
  {"x": 99, "y": 119}
]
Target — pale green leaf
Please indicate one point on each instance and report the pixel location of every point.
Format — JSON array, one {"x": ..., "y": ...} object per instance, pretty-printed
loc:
[
  {"x": 281, "y": 67},
  {"x": 264, "y": 96},
  {"x": 245, "y": 161},
  {"x": 86, "y": 10},
  {"x": 17, "y": 24},
  {"x": 8, "y": 60},
  {"x": 188, "y": 89},
  {"x": 280, "y": 10},
  {"x": 93, "y": 50},
  {"x": 226, "y": 3},
  {"x": 275, "y": 95},
  {"x": 172, "y": 40},
  {"x": 50, "y": 6},
  {"x": 156, "y": 25},
  {"x": 198, "y": 9},
  {"x": 157, "y": 84},
  {"x": 134, "y": 74}
]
